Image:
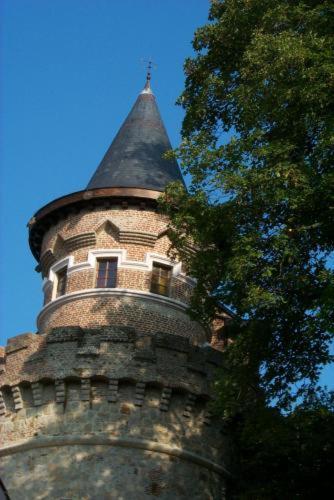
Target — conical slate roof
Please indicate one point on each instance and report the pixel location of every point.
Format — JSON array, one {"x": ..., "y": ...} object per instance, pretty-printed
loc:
[{"x": 135, "y": 157}]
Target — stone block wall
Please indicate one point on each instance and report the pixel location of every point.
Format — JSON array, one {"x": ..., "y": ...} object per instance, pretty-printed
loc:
[{"x": 118, "y": 413}]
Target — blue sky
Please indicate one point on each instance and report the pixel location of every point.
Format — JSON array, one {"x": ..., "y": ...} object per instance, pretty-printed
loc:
[{"x": 71, "y": 70}]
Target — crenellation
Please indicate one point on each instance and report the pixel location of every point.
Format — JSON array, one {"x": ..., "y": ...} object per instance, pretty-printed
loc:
[
  {"x": 85, "y": 394},
  {"x": 113, "y": 391},
  {"x": 64, "y": 334},
  {"x": 189, "y": 407},
  {"x": 37, "y": 393},
  {"x": 17, "y": 397},
  {"x": 60, "y": 391},
  {"x": 2, "y": 405},
  {"x": 165, "y": 399},
  {"x": 140, "y": 393},
  {"x": 19, "y": 342},
  {"x": 65, "y": 352},
  {"x": 207, "y": 417}
]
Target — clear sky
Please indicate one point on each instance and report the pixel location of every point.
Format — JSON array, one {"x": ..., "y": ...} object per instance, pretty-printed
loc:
[{"x": 71, "y": 70}]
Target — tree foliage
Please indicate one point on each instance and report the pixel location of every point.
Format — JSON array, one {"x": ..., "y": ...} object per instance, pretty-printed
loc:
[
  {"x": 285, "y": 456},
  {"x": 258, "y": 148},
  {"x": 258, "y": 143}
]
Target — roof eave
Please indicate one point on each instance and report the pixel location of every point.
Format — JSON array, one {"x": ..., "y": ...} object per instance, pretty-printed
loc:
[{"x": 74, "y": 202}]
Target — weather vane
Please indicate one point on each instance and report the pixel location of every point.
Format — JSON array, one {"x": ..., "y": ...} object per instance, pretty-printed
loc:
[{"x": 149, "y": 66}]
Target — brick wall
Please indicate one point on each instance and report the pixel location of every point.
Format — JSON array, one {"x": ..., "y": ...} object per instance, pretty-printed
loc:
[{"x": 137, "y": 232}]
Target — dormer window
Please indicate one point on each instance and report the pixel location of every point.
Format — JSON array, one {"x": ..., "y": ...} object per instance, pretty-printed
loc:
[
  {"x": 161, "y": 278},
  {"x": 106, "y": 273},
  {"x": 61, "y": 282}
]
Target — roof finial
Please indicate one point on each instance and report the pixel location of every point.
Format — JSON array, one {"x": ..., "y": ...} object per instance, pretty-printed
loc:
[{"x": 147, "y": 89}]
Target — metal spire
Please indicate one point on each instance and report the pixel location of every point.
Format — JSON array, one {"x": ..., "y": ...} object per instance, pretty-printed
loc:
[{"x": 147, "y": 89}]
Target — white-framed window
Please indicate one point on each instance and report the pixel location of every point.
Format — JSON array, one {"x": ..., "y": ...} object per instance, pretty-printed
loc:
[
  {"x": 61, "y": 282},
  {"x": 106, "y": 272},
  {"x": 161, "y": 278}
]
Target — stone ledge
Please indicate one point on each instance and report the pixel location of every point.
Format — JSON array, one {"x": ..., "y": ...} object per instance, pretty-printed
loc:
[{"x": 143, "y": 444}]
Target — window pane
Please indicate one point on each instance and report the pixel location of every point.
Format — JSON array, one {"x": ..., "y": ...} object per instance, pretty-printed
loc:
[
  {"x": 161, "y": 277},
  {"x": 111, "y": 282},
  {"x": 61, "y": 282},
  {"x": 100, "y": 282},
  {"x": 101, "y": 272},
  {"x": 106, "y": 273}
]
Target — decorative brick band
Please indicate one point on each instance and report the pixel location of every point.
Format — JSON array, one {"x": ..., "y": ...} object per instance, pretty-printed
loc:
[
  {"x": 80, "y": 241},
  {"x": 138, "y": 238},
  {"x": 142, "y": 444}
]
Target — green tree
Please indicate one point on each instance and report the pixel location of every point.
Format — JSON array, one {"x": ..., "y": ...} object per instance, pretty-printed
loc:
[
  {"x": 258, "y": 143},
  {"x": 285, "y": 456},
  {"x": 258, "y": 146}
]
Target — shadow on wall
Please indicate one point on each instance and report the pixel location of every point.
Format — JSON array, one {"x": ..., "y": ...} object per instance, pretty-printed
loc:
[
  {"x": 109, "y": 414},
  {"x": 3, "y": 492}
]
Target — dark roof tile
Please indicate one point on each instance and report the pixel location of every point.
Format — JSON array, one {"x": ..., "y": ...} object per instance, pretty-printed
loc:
[{"x": 135, "y": 157}]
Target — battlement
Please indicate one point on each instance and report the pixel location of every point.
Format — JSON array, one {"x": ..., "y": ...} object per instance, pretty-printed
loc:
[
  {"x": 77, "y": 372},
  {"x": 19, "y": 342},
  {"x": 114, "y": 352}
]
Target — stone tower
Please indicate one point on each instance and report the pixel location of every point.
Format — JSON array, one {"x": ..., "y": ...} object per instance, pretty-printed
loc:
[{"x": 110, "y": 399}]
